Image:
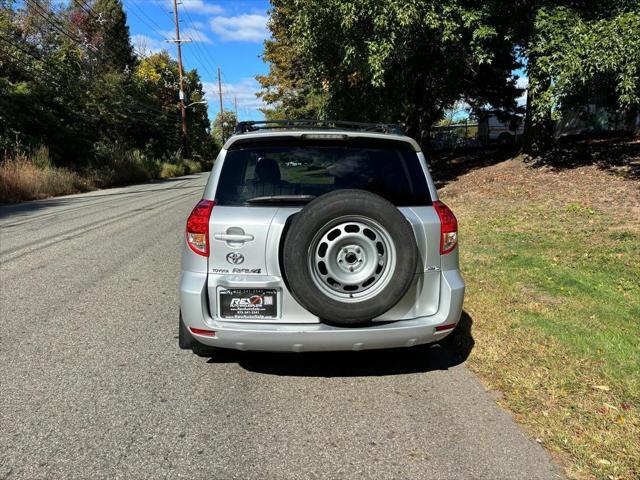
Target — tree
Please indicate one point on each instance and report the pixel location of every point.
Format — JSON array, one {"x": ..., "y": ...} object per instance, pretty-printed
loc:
[
  {"x": 408, "y": 62},
  {"x": 106, "y": 28},
  {"x": 223, "y": 126},
  {"x": 41, "y": 83},
  {"x": 576, "y": 54},
  {"x": 285, "y": 88},
  {"x": 572, "y": 52},
  {"x": 385, "y": 60},
  {"x": 198, "y": 118},
  {"x": 157, "y": 77},
  {"x": 69, "y": 81}
]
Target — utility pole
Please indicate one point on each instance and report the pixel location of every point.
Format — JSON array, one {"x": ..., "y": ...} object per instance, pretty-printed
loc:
[
  {"x": 183, "y": 110},
  {"x": 221, "y": 109}
]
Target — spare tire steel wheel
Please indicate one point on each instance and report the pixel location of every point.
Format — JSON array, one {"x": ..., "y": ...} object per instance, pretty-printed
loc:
[{"x": 349, "y": 256}]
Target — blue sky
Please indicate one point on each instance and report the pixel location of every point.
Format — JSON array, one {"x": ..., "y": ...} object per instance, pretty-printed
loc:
[{"x": 226, "y": 33}]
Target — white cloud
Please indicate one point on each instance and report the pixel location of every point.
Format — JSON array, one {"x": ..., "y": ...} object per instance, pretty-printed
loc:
[
  {"x": 245, "y": 93},
  {"x": 522, "y": 82},
  {"x": 200, "y": 6},
  {"x": 241, "y": 28},
  {"x": 146, "y": 45},
  {"x": 196, "y": 35}
]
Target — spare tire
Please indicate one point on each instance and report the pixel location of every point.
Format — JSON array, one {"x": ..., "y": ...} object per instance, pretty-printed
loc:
[{"x": 349, "y": 256}]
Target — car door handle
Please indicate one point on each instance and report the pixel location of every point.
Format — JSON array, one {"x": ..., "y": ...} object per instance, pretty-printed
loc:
[{"x": 233, "y": 237}]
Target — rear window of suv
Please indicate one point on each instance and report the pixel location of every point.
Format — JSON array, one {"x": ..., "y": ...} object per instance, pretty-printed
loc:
[{"x": 288, "y": 171}]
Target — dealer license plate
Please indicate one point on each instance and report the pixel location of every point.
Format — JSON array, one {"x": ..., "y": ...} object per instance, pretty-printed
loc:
[{"x": 248, "y": 303}]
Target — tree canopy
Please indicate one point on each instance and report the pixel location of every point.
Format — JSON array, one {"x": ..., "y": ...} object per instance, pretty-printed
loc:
[
  {"x": 585, "y": 53},
  {"x": 576, "y": 52},
  {"x": 223, "y": 126},
  {"x": 408, "y": 61},
  {"x": 70, "y": 80},
  {"x": 385, "y": 60}
]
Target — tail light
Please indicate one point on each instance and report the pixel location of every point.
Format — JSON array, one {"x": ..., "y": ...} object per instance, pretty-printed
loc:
[
  {"x": 448, "y": 227},
  {"x": 198, "y": 227}
]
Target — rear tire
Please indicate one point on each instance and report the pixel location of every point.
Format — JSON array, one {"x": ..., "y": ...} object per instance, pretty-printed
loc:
[
  {"x": 185, "y": 339},
  {"x": 506, "y": 139},
  {"x": 187, "y": 342},
  {"x": 204, "y": 351}
]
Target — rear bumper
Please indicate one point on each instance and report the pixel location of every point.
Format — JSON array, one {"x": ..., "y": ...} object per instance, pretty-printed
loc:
[{"x": 318, "y": 336}]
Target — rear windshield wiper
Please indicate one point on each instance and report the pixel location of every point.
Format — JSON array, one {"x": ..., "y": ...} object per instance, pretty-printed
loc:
[{"x": 282, "y": 199}]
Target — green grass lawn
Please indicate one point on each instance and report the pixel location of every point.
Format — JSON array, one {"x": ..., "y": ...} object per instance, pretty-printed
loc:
[
  {"x": 587, "y": 276},
  {"x": 554, "y": 296}
]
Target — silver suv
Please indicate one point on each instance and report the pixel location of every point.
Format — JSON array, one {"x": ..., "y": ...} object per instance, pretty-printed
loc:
[{"x": 319, "y": 236}]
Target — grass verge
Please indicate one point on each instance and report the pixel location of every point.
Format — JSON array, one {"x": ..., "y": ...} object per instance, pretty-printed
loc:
[
  {"x": 552, "y": 264},
  {"x": 33, "y": 177},
  {"x": 21, "y": 180}
]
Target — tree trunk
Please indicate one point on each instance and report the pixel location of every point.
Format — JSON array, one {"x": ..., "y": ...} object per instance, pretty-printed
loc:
[{"x": 538, "y": 125}]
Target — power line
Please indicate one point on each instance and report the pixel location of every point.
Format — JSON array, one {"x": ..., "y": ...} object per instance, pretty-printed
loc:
[
  {"x": 76, "y": 40},
  {"x": 53, "y": 80},
  {"x": 47, "y": 17},
  {"x": 225, "y": 89},
  {"x": 42, "y": 13},
  {"x": 87, "y": 9},
  {"x": 206, "y": 60},
  {"x": 158, "y": 30},
  {"x": 46, "y": 73},
  {"x": 197, "y": 48},
  {"x": 39, "y": 10},
  {"x": 201, "y": 53}
]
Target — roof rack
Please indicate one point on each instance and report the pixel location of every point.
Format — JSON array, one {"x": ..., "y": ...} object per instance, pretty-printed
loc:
[{"x": 257, "y": 125}]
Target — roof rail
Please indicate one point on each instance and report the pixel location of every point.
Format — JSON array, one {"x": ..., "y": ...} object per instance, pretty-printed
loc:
[{"x": 257, "y": 125}]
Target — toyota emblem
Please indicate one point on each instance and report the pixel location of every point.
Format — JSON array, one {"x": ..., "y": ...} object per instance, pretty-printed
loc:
[{"x": 235, "y": 258}]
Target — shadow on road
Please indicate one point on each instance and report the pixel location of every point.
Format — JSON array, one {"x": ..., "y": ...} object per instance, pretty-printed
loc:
[{"x": 453, "y": 351}]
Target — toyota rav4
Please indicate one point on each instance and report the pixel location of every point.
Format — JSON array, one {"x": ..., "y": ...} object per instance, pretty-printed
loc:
[{"x": 319, "y": 236}]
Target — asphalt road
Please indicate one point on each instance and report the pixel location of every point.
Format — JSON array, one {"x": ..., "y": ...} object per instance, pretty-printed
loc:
[{"x": 92, "y": 383}]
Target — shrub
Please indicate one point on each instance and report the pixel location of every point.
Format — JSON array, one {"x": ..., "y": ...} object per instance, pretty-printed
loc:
[
  {"x": 21, "y": 179},
  {"x": 174, "y": 158},
  {"x": 40, "y": 158},
  {"x": 120, "y": 166},
  {"x": 192, "y": 166},
  {"x": 172, "y": 170},
  {"x": 32, "y": 176}
]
